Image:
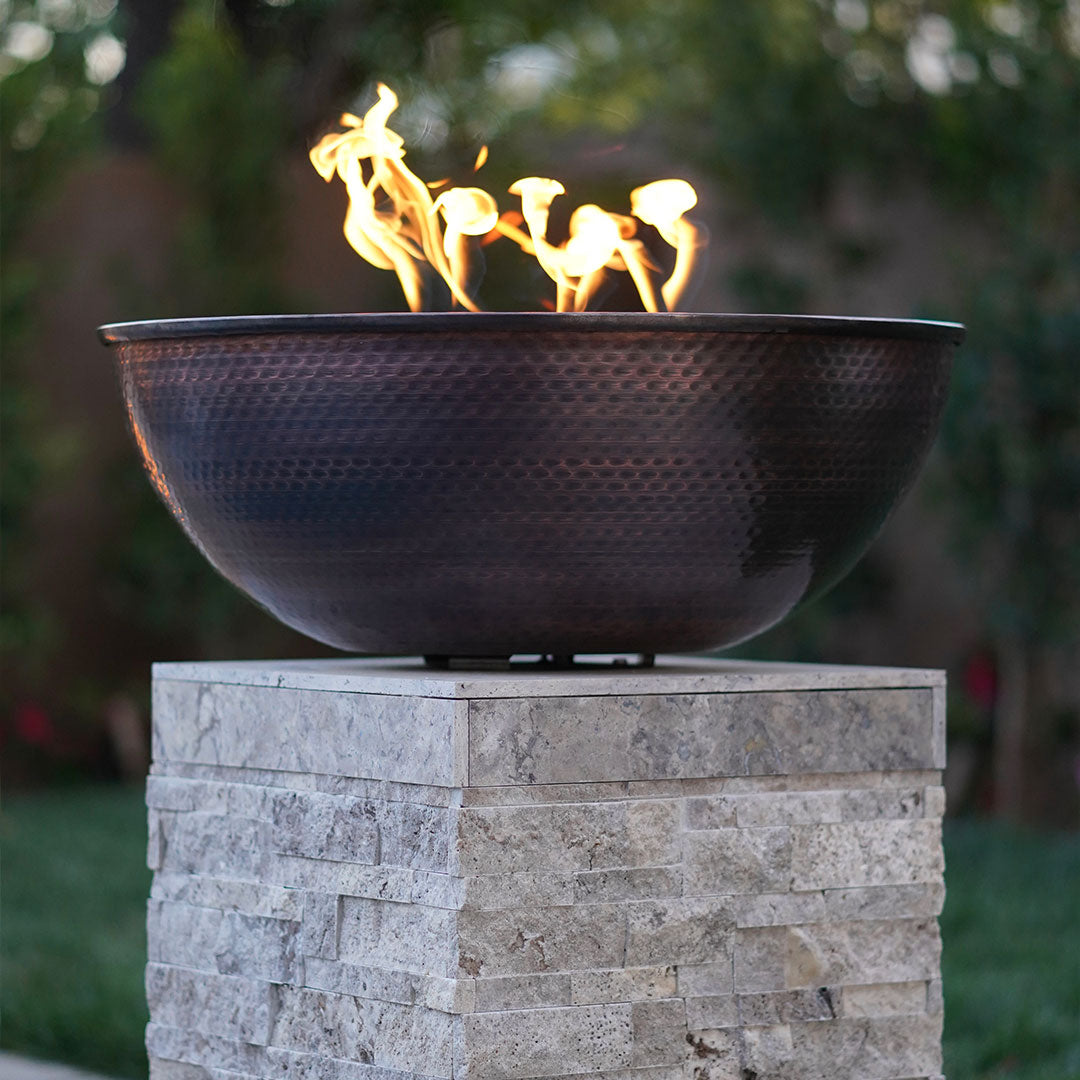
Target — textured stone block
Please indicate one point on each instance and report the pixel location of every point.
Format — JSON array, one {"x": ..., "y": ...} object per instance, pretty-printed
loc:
[
  {"x": 779, "y": 909},
  {"x": 210, "y": 1004},
  {"x": 521, "y": 992},
  {"x": 706, "y": 980},
  {"x": 567, "y": 837},
  {"x": 368, "y": 871},
  {"x": 325, "y": 827},
  {"x": 866, "y": 853},
  {"x": 397, "y": 936},
  {"x": 649, "y": 883},
  {"x": 787, "y": 1007},
  {"x": 718, "y": 1011},
  {"x": 889, "y": 1047},
  {"x": 723, "y": 862},
  {"x": 520, "y": 941},
  {"x": 582, "y": 739},
  {"x": 659, "y": 1032},
  {"x": 365, "y": 735},
  {"x": 685, "y": 931},
  {"x": 887, "y": 902},
  {"x": 861, "y": 952},
  {"x": 252, "y": 898},
  {"x": 381, "y": 984},
  {"x": 623, "y": 984},
  {"x": 788, "y": 808},
  {"x": 321, "y": 925},
  {"x": 546, "y": 1042},
  {"x": 545, "y": 888},
  {"x": 886, "y": 999}
]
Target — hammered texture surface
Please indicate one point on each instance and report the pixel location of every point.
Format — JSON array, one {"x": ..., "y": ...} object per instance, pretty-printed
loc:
[{"x": 497, "y": 492}]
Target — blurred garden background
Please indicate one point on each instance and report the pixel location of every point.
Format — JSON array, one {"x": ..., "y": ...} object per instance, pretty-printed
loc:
[{"x": 856, "y": 157}]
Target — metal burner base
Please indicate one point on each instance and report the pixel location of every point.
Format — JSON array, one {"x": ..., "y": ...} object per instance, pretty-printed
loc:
[{"x": 548, "y": 662}]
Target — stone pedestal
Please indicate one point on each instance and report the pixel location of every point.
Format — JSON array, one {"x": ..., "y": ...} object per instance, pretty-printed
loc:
[{"x": 706, "y": 871}]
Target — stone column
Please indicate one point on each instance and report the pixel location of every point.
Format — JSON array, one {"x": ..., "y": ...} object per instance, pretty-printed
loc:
[{"x": 706, "y": 871}]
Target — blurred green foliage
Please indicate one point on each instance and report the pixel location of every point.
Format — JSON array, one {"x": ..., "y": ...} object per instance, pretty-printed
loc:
[{"x": 782, "y": 102}]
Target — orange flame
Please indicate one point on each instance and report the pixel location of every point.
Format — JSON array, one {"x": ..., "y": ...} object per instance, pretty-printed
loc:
[{"x": 393, "y": 222}]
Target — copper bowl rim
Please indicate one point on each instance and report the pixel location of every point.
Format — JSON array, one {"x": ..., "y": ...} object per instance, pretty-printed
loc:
[{"x": 532, "y": 322}]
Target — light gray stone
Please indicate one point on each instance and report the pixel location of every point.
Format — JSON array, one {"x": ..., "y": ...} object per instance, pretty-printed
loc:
[
  {"x": 769, "y": 1051},
  {"x": 706, "y": 980},
  {"x": 715, "y": 1054},
  {"x": 438, "y": 890},
  {"x": 649, "y": 883},
  {"x": 676, "y": 875},
  {"x": 391, "y": 738},
  {"x": 406, "y": 1038},
  {"x": 331, "y": 827},
  {"x": 182, "y": 934},
  {"x": 939, "y": 723},
  {"x": 544, "y": 888},
  {"x": 521, "y": 992},
  {"x": 177, "y": 1070},
  {"x": 623, "y": 984},
  {"x": 528, "y": 940},
  {"x": 727, "y": 861},
  {"x": 251, "y": 898},
  {"x": 885, "y": 999},
  {"x": 680, "y": 931},
  {"x": 646, "y": 1072},
  {"x": 414, "y": 835},
  {"x": 895, "y": 1046},
  {"x": 788, "y": 1006},
  {"x": 788, "y": 808},
  {"x": 380, "y": 984},
  {"x": 710, "y": 812},
  {"x": 586, "y": 739},
  {"x": 330, "y": 1025},
  {"x": 397, "y": 936},
  {"x": 414, "y": 1039},
  {"x": 672, "y": 675},
  {"x": 360, "y": 787},
  {"x": 214, "y": 845},
  {"x": 155, "y": 842},
  {"x": 883, "y": 803},
  {"x": 567, "y": 837},
  {"x": 832, "y": 954},
  {"x": 934, "y": 801},
  {"x": 779, "y": 909},
  {"x": 546, "y": 1042},
  {"x": 341, "y": 878},
  {"x": 226, "y": 1059},
  {"x": 527, "y": 795},
  {"x": 659, "y": 1032},
  {"x": 760, "y": 956},
  {"x": 866, "y": 853},
  {"x": 258, "y": 948},
  {"x": 321, "y": 925},
  {"x": 886, "y": 902},
  {"x": 717, "y": 1011},
  {"x": 211, "y": 1004}
]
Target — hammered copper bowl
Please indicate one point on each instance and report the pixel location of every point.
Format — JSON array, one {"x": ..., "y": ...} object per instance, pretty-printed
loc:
[{"x": 482, "y": 485}]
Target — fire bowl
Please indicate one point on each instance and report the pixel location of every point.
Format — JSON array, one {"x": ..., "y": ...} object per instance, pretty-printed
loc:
[{"x": 488, "y": 484}]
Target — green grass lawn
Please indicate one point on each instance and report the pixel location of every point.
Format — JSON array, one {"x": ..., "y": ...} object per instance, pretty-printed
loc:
[
  {"x": 73, "y": 927},
  {"x": 72, "y": 940}
]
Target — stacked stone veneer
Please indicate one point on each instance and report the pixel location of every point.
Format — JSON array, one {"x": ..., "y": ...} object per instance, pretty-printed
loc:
[{"x": 702, "y": 873}]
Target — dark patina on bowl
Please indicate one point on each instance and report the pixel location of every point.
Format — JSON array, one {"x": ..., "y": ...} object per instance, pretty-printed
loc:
[{"x": 487, "y": 484}]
